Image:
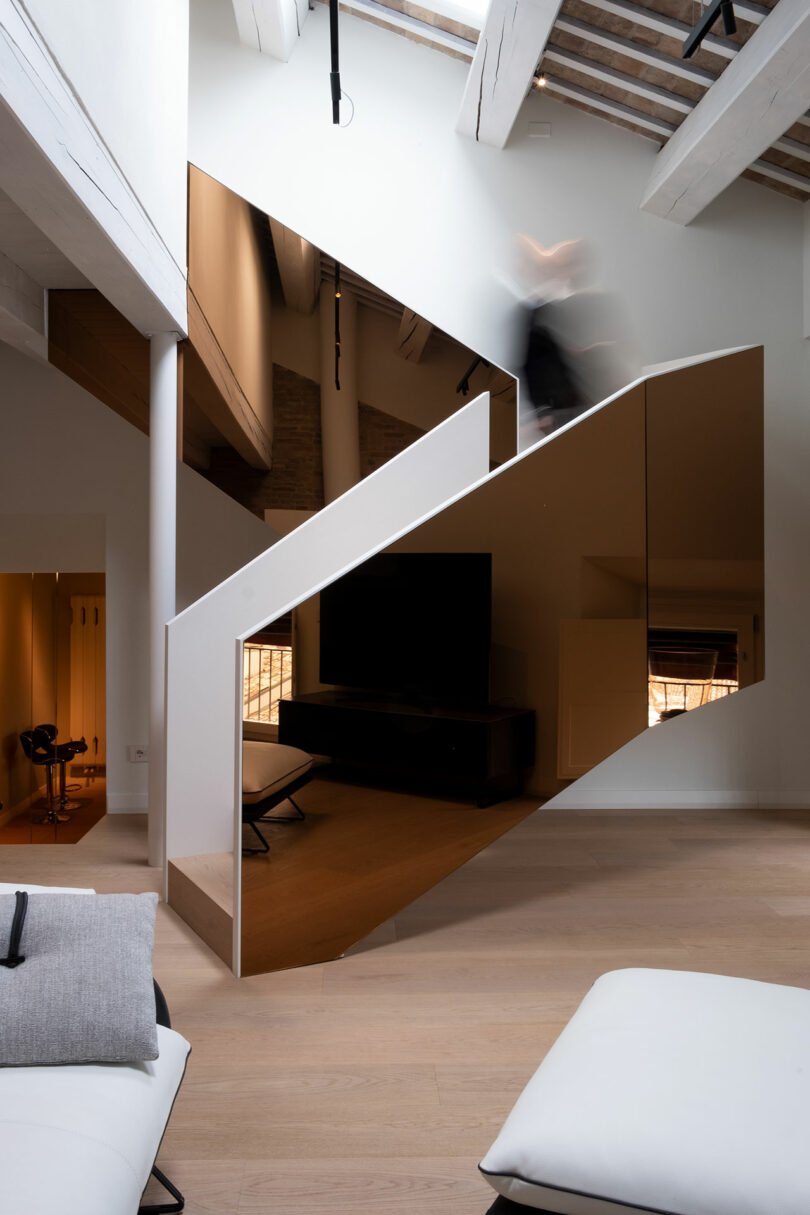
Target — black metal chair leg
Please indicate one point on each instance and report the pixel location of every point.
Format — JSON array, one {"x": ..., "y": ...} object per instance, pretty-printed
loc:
[
  {"x": 265, "y": 847},
  {"x": 298, "y": 817},
  {"x": 164, "y": 1208}
]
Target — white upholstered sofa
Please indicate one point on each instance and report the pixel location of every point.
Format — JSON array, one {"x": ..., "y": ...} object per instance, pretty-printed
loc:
[{"x": 81, "y": 1139}]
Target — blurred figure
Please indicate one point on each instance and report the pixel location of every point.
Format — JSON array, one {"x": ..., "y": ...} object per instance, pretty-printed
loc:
[{"x": 575, "y": 352}]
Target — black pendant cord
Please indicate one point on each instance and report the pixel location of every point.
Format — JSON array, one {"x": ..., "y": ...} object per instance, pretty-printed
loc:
[
  {"x": 717, "y": 8},
  {"x": 337, "y": 326},
  {"x": 334, "y": 75},
  {"x": 20, "y": 908}
]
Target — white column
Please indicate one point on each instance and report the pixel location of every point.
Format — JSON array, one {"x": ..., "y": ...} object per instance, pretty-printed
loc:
[
  {"x": 340, "y": 429},
  {"x": 162, "y": 547}
]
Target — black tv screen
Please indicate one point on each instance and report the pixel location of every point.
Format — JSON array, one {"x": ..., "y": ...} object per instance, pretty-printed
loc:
[{"x": 415, "y": 626}]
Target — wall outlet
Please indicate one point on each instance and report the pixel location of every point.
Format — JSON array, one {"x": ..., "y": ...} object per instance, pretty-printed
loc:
[{"x": 138, "y": 755}]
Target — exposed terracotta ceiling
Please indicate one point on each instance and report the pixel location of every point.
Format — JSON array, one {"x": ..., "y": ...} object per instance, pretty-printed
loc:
[{"x": 620, "y": 60}]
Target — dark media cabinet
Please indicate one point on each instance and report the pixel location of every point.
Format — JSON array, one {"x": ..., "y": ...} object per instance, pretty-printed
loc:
[{"x": 481, "y": 752}]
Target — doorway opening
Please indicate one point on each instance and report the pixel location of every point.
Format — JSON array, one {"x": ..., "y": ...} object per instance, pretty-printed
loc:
[{"x": 53, "y": 711}]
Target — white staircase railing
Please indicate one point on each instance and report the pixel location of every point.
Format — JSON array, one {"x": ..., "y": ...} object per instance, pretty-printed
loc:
[{"x": 204, "y": 643}]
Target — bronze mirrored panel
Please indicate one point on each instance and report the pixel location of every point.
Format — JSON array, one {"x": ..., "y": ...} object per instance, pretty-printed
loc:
[{"x": 705, "y": 533}]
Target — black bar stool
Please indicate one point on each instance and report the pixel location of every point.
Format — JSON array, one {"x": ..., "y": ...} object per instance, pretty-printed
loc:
[{"x": 41, "y": 747}]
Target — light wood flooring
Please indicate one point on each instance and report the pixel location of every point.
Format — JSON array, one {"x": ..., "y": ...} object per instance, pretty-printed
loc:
[
  {"x": 90, "y": 795},
  {"x": 373, "y": 1084}
]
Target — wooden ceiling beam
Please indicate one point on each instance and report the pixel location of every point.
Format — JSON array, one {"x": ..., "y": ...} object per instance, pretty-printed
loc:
[
  {"x": 747, "y": 10},
  {"x": 22, "y": 310},
  {"x": 760, "y": 94},
  {"x": 634, "y": 50},
  {"x": 793, "y": 147},
  {"x": 414, "y": 332},
  {"x": 299, "y": 266},
  {"x": 271, "y": 26},
  {"x": 767, "y": 168},
  {"x": 656, "y": 127},
  {"x": 671, "y": 28},
  {"x": 510, "y": 46},
  {"x": 620, "y": 80}
]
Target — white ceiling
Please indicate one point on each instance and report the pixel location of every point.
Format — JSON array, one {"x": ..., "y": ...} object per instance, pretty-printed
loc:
[{"x": 22, "y": 242}]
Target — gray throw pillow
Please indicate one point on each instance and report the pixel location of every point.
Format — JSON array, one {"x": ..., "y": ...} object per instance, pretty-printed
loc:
[{"x": 84, "y": 993}]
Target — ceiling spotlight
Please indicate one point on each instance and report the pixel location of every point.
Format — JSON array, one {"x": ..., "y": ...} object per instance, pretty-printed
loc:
[
  {"x": 717, "y": 8},
  {"x": 540, "y": 82}
]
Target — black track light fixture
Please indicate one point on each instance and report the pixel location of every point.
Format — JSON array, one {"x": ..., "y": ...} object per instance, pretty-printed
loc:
[
  {"x": 338, "y": 294},
  {"x": 717, "y": 8},
  {"x": 334, "y": 75}
]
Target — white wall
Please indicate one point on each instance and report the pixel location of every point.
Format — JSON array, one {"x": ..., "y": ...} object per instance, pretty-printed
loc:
[
  {"x": 73, "y": 496},
  {"x": 428, "y": 216},
  {"x": 128, "y": 64},
  {"x": 93, "y": 131}
]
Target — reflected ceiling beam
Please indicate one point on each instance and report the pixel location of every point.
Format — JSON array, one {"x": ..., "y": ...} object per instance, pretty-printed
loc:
[
  {"x": 634, "y": 50},
  {"x": 271, "y": 26},
  {"x": 509, "y": 48},
  {"x": 410, "y": 25},
  {"x": 299, "y": 265},
  {"x": 414, "y": 332},
  {"x": 22, "y": 310},
  {"x": 650, "y": 20},
  {"x": 223, "y": 399},
  {"x": 620, "y": 80},
  {"x": 760, "y": 94}
]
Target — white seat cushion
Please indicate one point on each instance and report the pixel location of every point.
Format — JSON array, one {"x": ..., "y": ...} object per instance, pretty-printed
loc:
[
  {"x": 668, "y": 1091},
  {"x": 81, "y": 1140},
  {"x": 269, "y": 767},
  {"x": 13, "y": 887}
]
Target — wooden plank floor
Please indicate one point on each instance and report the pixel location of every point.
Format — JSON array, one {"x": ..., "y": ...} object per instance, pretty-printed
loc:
[
  {"x": 91, "y": 795},
  {"x": 374, "y": 1084},
  {"x": 360, "y": 856}
]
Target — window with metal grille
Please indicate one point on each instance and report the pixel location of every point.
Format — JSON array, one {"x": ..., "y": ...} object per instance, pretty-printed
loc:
[{"x": 267, "y": 672}]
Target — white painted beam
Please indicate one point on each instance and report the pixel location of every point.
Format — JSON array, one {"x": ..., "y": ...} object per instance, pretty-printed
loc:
[
  {"x": 271, "y": 26},
  {"x": 56, "y": 167},
  {"x": 299, "y": 266},
  {"x": 634, "y": 50},
  {"x": 760, "y": 94},
  {"x": 620, "y": 80},
  {"x": 22, "y": 310},
  {"x": 414, "y": 332},
  {"x": 509, "y": 48}
]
